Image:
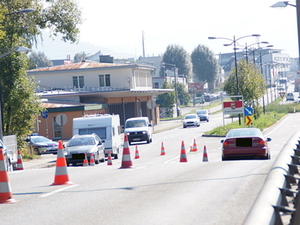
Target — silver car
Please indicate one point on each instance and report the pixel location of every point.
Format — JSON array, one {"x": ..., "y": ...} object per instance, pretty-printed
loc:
[
  {"x": 191, "y": 120},
  {"x": 80, "y": 146}
]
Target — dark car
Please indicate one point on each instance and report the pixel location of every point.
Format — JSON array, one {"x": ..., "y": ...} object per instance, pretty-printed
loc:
[
  {"x": 245, "y": 143},
  {"x": 80, "y": 146},
  {"x": 203, "y": 115},
  {"x": 41, "y": 144}
]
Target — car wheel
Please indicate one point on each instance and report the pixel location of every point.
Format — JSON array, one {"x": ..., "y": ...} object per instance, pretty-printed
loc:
[
  {"x": 148, "y": 140},
  {"x": 207, "y": 120},
  {"x": 9, "y": 166},
  {"x": 97, "y": 159},
  {"x": 184, "y": 126},
  {"x": 37, "y": 151},
  {"x": 224, "y": 158},
  {"x": 268, "y": 156}
]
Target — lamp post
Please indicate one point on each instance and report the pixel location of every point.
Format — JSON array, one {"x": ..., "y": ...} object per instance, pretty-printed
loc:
[
  {"x": 297, "y": 5},
  {"x": 20, "y": 50},
  {"x": 234, "y": 42},
  {"x": 175, "y": 80}
]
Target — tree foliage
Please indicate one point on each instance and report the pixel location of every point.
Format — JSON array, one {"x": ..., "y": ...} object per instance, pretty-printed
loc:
[
  {"x": 183, "y": 95},
  {"x": 251, "y": 85},
  {"x": 178, "y": 56},
  {"x": 59, "y": 17},
  {"x": 38, "y": 60},
  {"x": 204, "y": 64},
  {"x": 79, "y": 57},
  {"x": 167, "y": 100}
]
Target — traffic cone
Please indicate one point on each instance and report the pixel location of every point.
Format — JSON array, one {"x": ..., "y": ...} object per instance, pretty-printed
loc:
[
  {"x": 162, "y": 149},
  {"x": 85, "y": 161},
  {"x": 194, "y": 149},
  {"x": 61, "y": 173},
  {"x": 5, "y": 193},
  {"x": 109, "y": 161},
  {"x": 183, "y": 157},
  {"x": 92, "y": 159},
  {"x": 137, "y": 155},
  {"x": 205, "y": 157},
  {"x": 126, "y": 159},
  {"x": 19, "y": 161}
]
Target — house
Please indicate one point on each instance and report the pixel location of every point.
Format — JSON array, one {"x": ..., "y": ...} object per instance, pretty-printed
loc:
[{"x": 124, "y": 89}]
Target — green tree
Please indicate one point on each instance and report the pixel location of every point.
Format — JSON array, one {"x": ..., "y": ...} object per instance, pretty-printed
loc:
[
  {"x": 183, "y": 95},
  {"x": 204, "y": 64},
  {"x": 178, "y": 56},
  {"x": 59, "y": 17},
  {"x": 39, "y": 60},
  {"x": 79, "y": 57},
  {"x": 251, "y": 84},
  {"x": 167, "y": 100}
]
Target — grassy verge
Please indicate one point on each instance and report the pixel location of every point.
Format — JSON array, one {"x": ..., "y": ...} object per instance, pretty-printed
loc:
[{"x": 274, "y": 112}]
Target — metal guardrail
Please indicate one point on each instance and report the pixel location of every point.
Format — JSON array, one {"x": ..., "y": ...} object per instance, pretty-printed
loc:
[{"x": 278, "y": 201}]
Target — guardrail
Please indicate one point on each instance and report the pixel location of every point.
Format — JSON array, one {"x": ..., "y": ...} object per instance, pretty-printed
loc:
[{"x": 278, "y": 201}]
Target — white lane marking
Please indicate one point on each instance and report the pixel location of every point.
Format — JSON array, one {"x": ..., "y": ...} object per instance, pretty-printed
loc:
[
  {"x": 170, "y": 160},
  {"x": 58, "y": 190},
  {"x": 268, "y": 133}
]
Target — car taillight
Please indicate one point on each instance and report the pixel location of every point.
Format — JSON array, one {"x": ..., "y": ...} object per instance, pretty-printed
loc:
[
  {"x": 229, "y": 143},
  {"x": 258, "y": 142}
]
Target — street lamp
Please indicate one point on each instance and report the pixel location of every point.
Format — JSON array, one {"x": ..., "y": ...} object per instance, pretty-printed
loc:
[
  {"x": 175, "y": 79},
  {"x": 20, "y": 50},
  {"x": 234, "y": 42},
  {"x": 285, "y": 4}
]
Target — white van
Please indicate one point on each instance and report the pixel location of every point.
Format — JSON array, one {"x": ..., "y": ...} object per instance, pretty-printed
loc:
[
  {"x": 106, "y": 126},
  {"x": 138, "y": 129}
]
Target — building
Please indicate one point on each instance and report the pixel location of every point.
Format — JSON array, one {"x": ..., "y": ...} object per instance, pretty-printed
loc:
[{"x": 123, "y": 89}]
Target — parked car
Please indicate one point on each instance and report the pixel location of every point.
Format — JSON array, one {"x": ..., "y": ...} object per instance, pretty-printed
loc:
[
  {"x": 203, "y": 115},
  {"x": 80, "y": 146},
  {"x": 290, "y": 97},
  {"x": 41, "y": 144},
  {"x": 297, "y": 100},
  {"x": 245, "y": 143},
  {"x": 191, "y": 120},
  {"x": 138, "y": 129},
  {"x": 9, "y": 157}
]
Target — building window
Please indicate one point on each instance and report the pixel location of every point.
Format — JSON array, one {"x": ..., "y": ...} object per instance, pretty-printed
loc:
[
  {"x": 78, "y": 81},
  {"x": 104, "y": 80},
  {"x": 156, "y": 85}
]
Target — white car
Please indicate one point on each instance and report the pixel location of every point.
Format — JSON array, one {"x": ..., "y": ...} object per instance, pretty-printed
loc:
[
  {"x": 191, "y": 120},
  {"x": 297, "y": 100},
  {"x": 138, "y": 129}
]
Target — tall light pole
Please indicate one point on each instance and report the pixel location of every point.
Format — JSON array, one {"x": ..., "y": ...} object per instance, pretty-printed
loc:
[
  {"x": 175, "y": 80},
  {"x": 234, "y": 42},
  {"x": 297, "y": 5}
]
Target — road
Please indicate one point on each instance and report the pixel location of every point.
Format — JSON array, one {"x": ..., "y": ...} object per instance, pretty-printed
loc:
[{"x": 157, "y": 190}]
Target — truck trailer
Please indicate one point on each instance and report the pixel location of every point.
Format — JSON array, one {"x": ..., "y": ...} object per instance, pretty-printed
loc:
[{"x": 106, "y": 126}]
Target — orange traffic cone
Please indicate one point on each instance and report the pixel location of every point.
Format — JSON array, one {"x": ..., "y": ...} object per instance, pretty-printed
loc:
[
  {"x": 183, "y": 157},
  {"x": 137, "y": 154},
  {"x": 109, "y": 161},
  {"x": 126, "y": 159},
  {"x": 92, "y": 159},
  {"x": 162, "y": 149},
  {"x": 5, "y": 193},
  {"x": 20, "y": 161},
  {"x": 61, "y": 173},
  {"x": 85, "y": 161},
  {"x": 205, "y": 157},
  {"x": 194, "y": 149}
]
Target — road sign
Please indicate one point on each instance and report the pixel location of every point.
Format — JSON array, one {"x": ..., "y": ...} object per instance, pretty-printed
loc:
[
  {"x": 44, "y": 114},
  {"x": 234, "y": 107},
  {"x": 151, "y": 104},
  {"x": 282, "y": 94},
  {"x": 248, "y": 120},
  {"x": 248, "y": 111},
  {"x": 61, "y": 119}
]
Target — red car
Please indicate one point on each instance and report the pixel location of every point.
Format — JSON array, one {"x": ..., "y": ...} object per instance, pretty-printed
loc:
[{"x": 245, "y": 143}]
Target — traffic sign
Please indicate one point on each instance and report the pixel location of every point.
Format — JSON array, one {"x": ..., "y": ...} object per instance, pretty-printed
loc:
[
  {"x": 248, "y": 111},
  {"x": 282, "y": 94},
  {"x": 44, "y": 114},
  {"x": 248, "y": 120},
  {"x": 61, "y": 119}
]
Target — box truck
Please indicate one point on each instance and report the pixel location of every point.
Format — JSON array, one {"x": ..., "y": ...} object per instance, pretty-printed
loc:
[{"x": 106, "y": 126}]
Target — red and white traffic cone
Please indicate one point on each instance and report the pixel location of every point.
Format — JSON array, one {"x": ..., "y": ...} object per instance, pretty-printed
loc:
[
  {"x": 183, "y": 157},
  {"x": 162, "y": 149},
  {"x": 92, "y": 159},
  {"x": 194, "y": 149},
  {"x": 126, "y": 159},
  {"x": 137, "y": 154},
  {"x": 109, "y": 161},
  {"x": 20, "y": 161},
  {"x": 85, "y": 161},
  {"x": 205, "y": 156}
]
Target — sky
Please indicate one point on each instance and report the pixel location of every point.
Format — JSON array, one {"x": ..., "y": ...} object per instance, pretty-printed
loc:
[{"x": 116, "y": 27}]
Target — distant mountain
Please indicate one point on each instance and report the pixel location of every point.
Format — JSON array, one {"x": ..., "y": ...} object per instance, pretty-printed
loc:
[{"x": 57, "y": 49}]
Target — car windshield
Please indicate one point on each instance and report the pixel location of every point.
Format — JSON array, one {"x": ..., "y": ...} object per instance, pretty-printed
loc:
[
  {"x": 39, "y": 139},
  {"x": 244, "y": 133},
  {"x": 135, "y": 123},
  {"x": 81, "y": 141},
  {"x": 190, "y": 117},
  {"x": 202, "y": 112}
]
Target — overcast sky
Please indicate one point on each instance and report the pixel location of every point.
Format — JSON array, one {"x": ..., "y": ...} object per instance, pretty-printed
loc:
[{"x": 117, "y": 25}]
